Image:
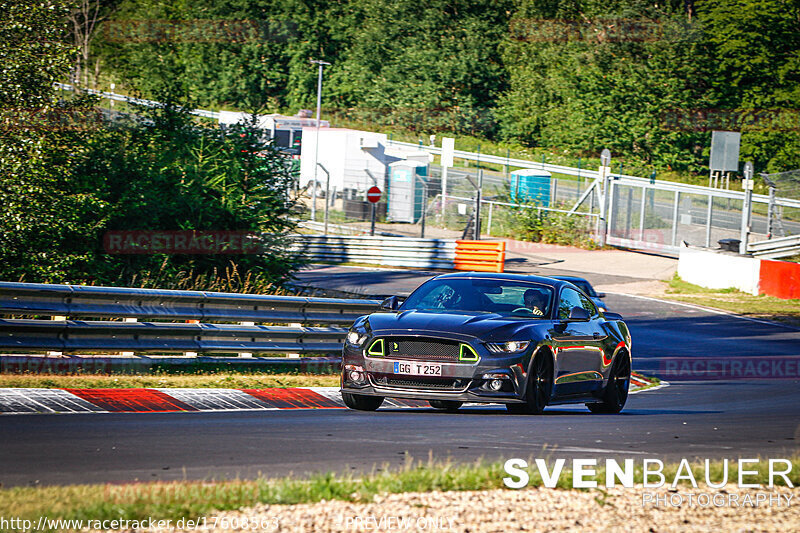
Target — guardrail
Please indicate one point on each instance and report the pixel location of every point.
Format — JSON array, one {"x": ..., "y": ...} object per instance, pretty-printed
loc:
[
  {"x": 775, "y": 248},
  {"x": 136, "y": 101},
  {"x": 387, "y": 251},
  {"x": 78, "y": 302}
]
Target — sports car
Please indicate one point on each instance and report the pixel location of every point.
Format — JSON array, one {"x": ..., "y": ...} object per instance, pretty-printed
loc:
[
  {"x": 523, "y": 341},
  {"x": 588, "y": 290}
]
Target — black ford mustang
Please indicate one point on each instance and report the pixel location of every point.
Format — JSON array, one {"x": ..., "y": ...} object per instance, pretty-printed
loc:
[{"x": 524, "y": 341}]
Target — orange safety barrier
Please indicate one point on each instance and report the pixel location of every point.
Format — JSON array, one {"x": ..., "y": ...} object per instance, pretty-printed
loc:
[{"x": 480, "y": 256}]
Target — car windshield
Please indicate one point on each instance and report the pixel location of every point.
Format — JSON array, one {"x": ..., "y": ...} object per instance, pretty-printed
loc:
[
  {"x": 585, "y": 287},
  {"x": 511, "y": 298}
]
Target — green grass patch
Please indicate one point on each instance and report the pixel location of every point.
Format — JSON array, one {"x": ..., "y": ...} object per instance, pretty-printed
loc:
[
  {"x": 222, "y": 380},
  {"x": 192, "y": 499},
  {"x": 735, "y": 301}
]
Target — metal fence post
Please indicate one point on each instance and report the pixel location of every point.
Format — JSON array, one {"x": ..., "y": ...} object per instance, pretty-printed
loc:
[
  {"x": 478, "y": 206},
  {"x": 747, "y": 206},
  {"x": 675, "y": 210},
  {"x": 641, "y": 215},
  {"x": 770, "y": 211},
  {"x": 424, "y": 203},
  {"x": 604, "y": 201},
  {"x": 709, "y": 213},
  {"x": 327, "y": 195},
  {"x": 489, "y": 224}
]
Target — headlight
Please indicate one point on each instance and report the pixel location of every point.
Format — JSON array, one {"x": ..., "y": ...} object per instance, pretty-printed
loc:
[
  {"x": 356, "y": 338},
  {"x": 508, "y": 347},
  {"x": 602, "y": 309}
]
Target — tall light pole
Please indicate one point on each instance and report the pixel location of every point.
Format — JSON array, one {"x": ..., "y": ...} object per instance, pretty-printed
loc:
[{"x": 321, "y": 63}]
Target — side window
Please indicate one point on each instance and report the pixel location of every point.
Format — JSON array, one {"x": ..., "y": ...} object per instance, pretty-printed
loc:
[
  {"x": 569, "y": 299},
  {"x": 587, "y": 304}
]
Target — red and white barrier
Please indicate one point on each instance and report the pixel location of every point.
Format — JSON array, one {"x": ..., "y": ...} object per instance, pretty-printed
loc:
[{"x": 724, "y": 270}]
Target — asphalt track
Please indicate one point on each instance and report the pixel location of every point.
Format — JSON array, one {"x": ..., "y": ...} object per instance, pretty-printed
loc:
[{"x": 703, "y": 419}]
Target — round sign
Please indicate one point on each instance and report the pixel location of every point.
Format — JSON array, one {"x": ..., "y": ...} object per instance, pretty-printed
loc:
[
  {"x": 374, "y": 195},
  {"x": 605, "y": 157}
]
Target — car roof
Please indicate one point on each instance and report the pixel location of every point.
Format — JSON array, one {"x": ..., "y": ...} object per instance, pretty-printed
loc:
[
  {"x": 556, "y": 283},
  {"x": 570, "y": 278}
]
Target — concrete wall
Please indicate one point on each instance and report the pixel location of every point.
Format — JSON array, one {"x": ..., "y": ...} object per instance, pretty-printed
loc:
[{"x": 718, "y": 270}]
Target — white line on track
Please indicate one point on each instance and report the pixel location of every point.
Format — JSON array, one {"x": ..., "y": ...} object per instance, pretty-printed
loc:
[{"x": 707, "y": 309}]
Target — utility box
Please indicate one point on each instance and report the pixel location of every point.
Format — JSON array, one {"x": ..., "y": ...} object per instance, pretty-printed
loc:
[
  {"x": 406, "y": 192},
  {"x": 530, "y": 185}
]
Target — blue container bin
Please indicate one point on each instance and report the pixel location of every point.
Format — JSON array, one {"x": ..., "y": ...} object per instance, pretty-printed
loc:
[{"x": 531, "y": 186}]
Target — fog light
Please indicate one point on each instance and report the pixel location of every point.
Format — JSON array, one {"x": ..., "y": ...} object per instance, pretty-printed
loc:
[
  {"x": 355, "y": 373},
  {"x": 496, "y": 384}
]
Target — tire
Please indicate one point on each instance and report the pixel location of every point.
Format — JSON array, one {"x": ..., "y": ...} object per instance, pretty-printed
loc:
[
  {"x": 360, "y": 402},
  {"x": 616, "y": 393},
  {"x": 450, "y": 406},
  {"x": 538, "y": 389}
]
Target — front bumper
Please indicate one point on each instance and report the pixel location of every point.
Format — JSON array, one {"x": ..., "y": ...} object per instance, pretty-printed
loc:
[{"x": 463, "y": 382}]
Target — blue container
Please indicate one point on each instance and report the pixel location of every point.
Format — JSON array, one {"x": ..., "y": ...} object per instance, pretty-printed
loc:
[{"x": 531, "y": 186}]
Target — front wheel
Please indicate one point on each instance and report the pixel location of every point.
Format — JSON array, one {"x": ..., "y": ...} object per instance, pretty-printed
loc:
[
  {"x": 616, "y": 393},
  {"x": 537, "y": 393},
  {"x": 450, "y": 406},
  {"x": 361, "y": 402}
]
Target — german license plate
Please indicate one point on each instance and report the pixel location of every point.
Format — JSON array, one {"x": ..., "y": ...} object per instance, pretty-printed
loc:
[{"x": 417, "y": 369}]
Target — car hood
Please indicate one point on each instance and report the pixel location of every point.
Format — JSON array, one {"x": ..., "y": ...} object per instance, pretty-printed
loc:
[{"x": 485, "y": 326}]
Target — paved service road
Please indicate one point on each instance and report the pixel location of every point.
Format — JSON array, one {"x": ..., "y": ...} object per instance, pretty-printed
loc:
[{"x": 693, "y": 419}]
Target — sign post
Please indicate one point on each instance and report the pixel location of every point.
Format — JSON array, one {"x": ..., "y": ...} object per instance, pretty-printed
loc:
[{"x": 373, "y": 196}]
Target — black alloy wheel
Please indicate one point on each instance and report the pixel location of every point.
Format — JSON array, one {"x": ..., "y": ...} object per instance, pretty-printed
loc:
[
  {"x": 540, "y": 385},
  {"x": 616, "y": 393},
  {"x": 446, "y": 405},
  {"x": 361, "y": 402}
]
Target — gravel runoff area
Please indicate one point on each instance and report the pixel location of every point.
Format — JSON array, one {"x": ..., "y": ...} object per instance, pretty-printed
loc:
[{"x": 532, "y": 509}]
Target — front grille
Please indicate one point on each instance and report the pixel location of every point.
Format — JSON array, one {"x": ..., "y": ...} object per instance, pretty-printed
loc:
[
  {"x": 418, "y": 382},
  {"x": 422, "y": 349}
]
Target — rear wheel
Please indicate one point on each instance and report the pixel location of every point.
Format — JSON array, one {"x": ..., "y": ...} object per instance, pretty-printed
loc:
[
  {"x": 446, "y": 405},
  {"x": 540, "y": 385},
  {"x": 361, "y": 402},
  {"x": 616, "y": 393}
]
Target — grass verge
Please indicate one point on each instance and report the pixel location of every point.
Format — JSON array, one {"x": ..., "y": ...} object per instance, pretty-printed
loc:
[
  {"x": 185, "y": 499},
  {"x": 225, "y": 380},
  {"x": 735, "y": 301}
]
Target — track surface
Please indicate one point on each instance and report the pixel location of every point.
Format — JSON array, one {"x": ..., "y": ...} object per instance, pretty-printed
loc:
[{"x": 687, "y": 419}]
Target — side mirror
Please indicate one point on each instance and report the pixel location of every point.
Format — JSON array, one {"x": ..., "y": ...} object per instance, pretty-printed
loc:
[
  {"x": 578, "y": 313},
  {"x": 601, "y": 295},
  {"x": 392, "y": 303}
]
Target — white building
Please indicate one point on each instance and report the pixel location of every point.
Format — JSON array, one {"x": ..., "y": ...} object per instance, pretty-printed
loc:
[
  {"x": 285, "y": 130},
  {"x": 356, "y": 160}
]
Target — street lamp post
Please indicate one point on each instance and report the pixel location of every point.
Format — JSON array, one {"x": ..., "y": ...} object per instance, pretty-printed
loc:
[{"x": 316, "y": 142}]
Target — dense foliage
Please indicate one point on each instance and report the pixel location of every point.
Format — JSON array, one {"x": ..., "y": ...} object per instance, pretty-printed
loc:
[
  {"x": 647, "y": 79},
  {"x": 69, "y": 174}
]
